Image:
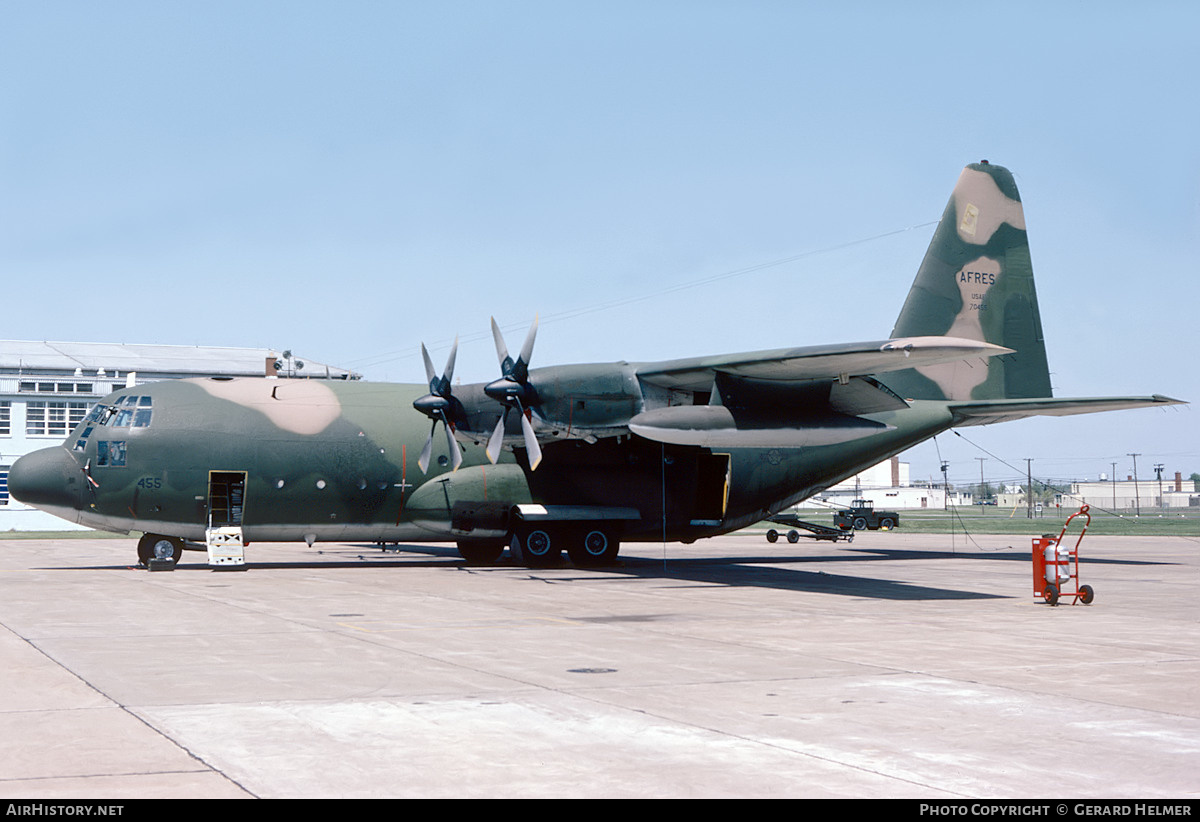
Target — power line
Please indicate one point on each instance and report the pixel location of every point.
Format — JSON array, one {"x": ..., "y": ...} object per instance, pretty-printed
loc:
[{"x": 390, "y": 356}]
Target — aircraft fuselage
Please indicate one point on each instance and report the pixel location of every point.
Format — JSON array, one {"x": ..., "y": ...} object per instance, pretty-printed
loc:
[{"x": 330, "y": 460}]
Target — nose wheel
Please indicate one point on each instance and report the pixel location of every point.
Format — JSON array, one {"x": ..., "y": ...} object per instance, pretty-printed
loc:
[{"x": 159, "y": 548}]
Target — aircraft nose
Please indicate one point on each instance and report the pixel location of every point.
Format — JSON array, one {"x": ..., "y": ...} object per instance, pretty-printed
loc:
[{"x": 48, "y": 478}]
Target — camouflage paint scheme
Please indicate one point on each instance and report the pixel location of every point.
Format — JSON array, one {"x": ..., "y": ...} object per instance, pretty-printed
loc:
[
  {"x": 678, "y": 450},
  {"x": 976, "y": 281}
]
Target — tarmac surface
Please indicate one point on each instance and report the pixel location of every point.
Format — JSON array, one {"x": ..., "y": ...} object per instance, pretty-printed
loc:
[{"x": 899, "y": 665}]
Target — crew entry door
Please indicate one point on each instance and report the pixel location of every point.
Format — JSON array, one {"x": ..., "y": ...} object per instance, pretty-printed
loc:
[
  {"x": 226, "y": 498},
  {"x": 226, "y": 506}
]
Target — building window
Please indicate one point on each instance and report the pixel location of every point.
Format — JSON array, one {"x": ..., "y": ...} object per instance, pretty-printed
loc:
[
  {"x": 53, "y": 419},
  {"x": 39, "y": 387},
  {"x": 3, "y": 485},
  {"x": 5, "y": 419}
]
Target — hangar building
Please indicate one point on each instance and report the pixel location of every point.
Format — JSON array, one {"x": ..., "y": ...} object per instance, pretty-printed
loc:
[{"x": 47, "y": 388}]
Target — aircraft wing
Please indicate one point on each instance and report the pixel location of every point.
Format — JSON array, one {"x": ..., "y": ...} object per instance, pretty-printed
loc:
[
  {"x": 791, "y": 398},
  {"x": 986, "y": 413},
  {"x": 816, "y": 362}
]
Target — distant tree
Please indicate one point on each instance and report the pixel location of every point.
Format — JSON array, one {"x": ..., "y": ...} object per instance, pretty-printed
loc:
[
  {"x": 1196, "y": 479},
  {"x": 1045, "y": 492}
]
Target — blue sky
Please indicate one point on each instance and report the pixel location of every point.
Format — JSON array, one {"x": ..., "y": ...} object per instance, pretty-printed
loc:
[{"x": 350, "y": 179}]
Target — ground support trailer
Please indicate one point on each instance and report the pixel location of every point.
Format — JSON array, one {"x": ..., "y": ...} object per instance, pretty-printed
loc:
[{"x": 793, "y": 522}]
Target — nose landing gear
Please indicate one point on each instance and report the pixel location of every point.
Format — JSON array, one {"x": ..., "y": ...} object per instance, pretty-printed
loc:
[{"x": 159, "y": 553}]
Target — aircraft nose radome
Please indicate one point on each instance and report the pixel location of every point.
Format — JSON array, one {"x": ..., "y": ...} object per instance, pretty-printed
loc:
[{"x": 46, "y": 478}]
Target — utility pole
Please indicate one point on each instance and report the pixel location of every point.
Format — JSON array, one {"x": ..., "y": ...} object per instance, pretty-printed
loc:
[
  {"x": 1158, "y": 469},
  {"x": 1029, "y": 488},
  {"x": 1114, "y": 485},
  {"x": 1136, "y": 493},
  {"x": 945, "y": 487},
  {"x": 982, "y": 460}
]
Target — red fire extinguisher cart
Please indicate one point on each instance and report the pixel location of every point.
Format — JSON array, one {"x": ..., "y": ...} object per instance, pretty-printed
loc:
[{"x": 1054, "y": 565}]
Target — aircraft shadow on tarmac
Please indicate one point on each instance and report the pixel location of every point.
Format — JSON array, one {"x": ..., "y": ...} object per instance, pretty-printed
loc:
[
  {"x": 760, "y": 571},
  {"x": 764, "y": 571}
]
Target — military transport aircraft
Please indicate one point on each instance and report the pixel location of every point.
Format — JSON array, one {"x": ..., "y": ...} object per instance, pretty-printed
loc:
[{"x": 579, "y": 457}]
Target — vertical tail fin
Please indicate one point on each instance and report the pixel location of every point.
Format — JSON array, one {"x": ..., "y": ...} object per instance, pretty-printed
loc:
[{"x": 976, "y": 281}]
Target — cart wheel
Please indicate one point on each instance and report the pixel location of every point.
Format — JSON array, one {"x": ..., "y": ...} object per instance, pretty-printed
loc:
[
  {"x": 1086, "y": 594},
  {"x": 1050, "y": 592},
  {"x": 772, "y": 535},
  {"x": 793, "y": 537}
]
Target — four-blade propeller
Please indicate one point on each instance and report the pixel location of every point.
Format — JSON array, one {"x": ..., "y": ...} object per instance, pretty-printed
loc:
[
  {"x": 439, "y": 404},
  {"x": 514, "y": 391}
]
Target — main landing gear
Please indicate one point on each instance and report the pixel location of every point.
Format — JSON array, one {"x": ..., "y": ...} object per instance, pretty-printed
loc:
[
  {"x": 541, "y": 545},
  {"x": 588, "y": 546},
  {"x": 481, "y": 552}
]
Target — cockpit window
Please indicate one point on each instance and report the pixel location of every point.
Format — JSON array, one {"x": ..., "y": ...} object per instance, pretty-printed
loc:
[
  {"x": 81, "y": 443},
  {"x": 111, "y": 454},
  {"x": 128, "y": 412}
]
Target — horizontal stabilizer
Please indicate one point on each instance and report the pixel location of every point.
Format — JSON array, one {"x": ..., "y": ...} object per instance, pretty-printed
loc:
[
  {"x": 986, "y": 413},
  {"x": 816, "y": 362}
]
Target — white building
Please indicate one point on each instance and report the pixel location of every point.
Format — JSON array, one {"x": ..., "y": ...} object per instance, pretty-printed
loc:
[
  {"x": 887, "y": 485},
  {"x": 47, "y": 388},
  {"x": 1127, "y": 495}
]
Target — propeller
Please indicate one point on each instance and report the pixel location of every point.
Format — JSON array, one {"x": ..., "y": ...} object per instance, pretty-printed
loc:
[
  {"x": 514, "y": 391},
  {"x": 438, "y": 405}
]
